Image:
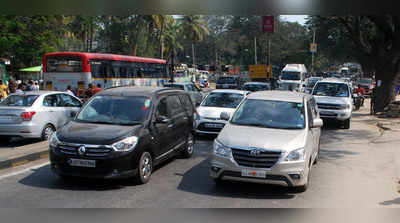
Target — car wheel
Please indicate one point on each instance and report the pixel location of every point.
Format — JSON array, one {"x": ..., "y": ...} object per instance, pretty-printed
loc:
[
  {"x": 302, "y": 188},
  {"x": 219, "y": 182},
  {"x": 145, "y": 168},
  {"x": 48, "y": 130},
  {"x": 189, "y": 146},
  {"x": 5, "y": 139},
  {"x": 346, "y": 124}
]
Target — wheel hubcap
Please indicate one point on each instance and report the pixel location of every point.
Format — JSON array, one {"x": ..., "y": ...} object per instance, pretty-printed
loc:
[
  {"x": 146, "y": 166},
  {"x": 48, "y": 132},
  {"x": 190, "y": 144}
]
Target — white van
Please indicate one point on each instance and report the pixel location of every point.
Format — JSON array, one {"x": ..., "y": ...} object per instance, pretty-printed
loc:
[{"x": 293, "y": 76}]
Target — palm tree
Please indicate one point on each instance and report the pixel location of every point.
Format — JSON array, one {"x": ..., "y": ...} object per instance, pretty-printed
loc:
[
  {"x": 170, "y": 38},
  {"x": 161, "y": 21}
]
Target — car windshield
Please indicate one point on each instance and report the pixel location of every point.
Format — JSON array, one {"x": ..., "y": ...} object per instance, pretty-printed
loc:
[
  {"x": 222, "y": 100},
  {"x": 255, "y": 87},
  {"x": 331, "y": 89},
  {"x": 19, "y": 100},
  {"x": 311, "y": 82},
  {"x": 115, "y": 110},
  {"x": 290, "y": 75},
  {"x": 270, "y": 114},
  {"x": 226, "y": 80},
  {"x": 174, "y": 86}
]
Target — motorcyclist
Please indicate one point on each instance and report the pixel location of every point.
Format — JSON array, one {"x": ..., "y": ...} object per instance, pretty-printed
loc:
[{"x": 361, "y": 92}]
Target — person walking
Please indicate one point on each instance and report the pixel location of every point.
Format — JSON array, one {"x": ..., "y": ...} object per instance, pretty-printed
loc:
[
  {"x": 29, "y": 87},
  {"x": 12, "y": 86},
  {"x": 3, "y": 90},
  {"x": 36, "y": 86},
  {"x": 97, "y": 89},
  {"x": 20, "y": 89},
  {"x": 69, "y": 90}
]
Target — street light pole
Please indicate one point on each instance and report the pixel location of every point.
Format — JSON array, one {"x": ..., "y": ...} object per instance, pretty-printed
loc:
[
  {"x": 312, "y": 55},
  {"x": 255, "y": 50}
]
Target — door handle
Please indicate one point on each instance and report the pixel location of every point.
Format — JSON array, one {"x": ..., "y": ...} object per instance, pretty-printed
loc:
[
  {"x": 171, "y": 125},
  {"x": 51, "y": 111}
]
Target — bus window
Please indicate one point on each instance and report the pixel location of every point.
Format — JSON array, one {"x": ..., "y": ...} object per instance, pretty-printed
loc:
[{"x": 64, "y": 64}]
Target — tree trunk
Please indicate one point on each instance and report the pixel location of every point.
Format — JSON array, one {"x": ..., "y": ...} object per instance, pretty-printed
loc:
[
  {"x": 385, "y": 93},
  {"x": 161, "y": 42}
]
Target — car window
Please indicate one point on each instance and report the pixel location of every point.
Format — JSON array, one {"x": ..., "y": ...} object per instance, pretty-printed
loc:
[
  {"x": 18, "y": 100},
  {"x": 331, "y": 89},
  {"x": 187, "y": 103},
  {"x": 222, "y": 100},
  {"x": 162, "y": 109},
  {"x": 51, "y": 101},
  {"x": 174, "y": 105},
  {"x": 69, "y": 101}
]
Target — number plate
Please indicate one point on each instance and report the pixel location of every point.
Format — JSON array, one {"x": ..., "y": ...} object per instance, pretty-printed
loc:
[
  {"x": 253, "y": 173},
  {"x": 225, "y": 86},
  {"x": 211, "y": 125},
  {"x": 82, "y": 163}
]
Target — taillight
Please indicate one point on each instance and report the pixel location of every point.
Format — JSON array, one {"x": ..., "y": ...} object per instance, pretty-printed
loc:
[{"x": 27, "y": 116}]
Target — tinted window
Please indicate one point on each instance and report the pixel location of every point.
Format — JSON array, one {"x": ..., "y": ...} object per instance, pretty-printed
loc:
[
  {"x": 223, "y": 100},
  {"x": 174, "y": 105},
  {"x": 17, "y": 100},
  {"x": 331, "y": 89},
  {"x": 178, "y": 86},
  {"x": 69, "y": 101},
  {"x": 51, "y": 101},
  {"x": 162, "y": 108},
  {"x": 64, "y": 64},
  {"x": 226, "y": 80},
  {"x": 270, "y": 114},
  {"x": 187, "y": 103},
  {"x": 256, "y": 87},
  {"x": 289, "y": 75},
  {"x": 116, "y": 110}
]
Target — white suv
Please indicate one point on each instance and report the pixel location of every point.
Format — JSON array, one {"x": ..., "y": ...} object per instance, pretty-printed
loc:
[{"x": 334, "y": 100}]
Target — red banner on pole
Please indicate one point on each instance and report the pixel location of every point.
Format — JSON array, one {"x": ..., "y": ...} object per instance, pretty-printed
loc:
[{"x": 268, "y": 24}]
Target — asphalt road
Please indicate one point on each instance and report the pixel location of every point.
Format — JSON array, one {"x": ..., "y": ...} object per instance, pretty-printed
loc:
[{"x": 356, "y": 170}]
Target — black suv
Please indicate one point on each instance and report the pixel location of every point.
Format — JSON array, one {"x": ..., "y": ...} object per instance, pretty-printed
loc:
[
  {"x": 124, "y": 132},
  {"x": 228, "y": 82}
]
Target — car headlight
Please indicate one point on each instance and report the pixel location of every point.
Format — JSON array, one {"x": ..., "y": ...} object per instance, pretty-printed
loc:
[
  {"x": 345, "y": 106},
  {"x": 222, "y": 150},
  {"x": 54, "y": 140},
  {"x": 126, "y": 144},
  {"x": 296, "y": 155}
]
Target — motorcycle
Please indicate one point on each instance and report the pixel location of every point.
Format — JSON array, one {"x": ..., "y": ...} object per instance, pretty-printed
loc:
[{"x": 357, "y": 100}]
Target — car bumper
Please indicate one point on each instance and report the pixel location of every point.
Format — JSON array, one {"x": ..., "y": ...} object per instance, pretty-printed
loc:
[
  {"x": 340, "y": 115},
  {"x": 280, "y": 174},
  {"x": 109, "y": 168},
  {"x": 202, "y": 128},
  {"x": 24, "y": 130}
]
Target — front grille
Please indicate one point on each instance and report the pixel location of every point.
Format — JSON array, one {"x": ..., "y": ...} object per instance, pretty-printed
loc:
[
  {"x": 265, "y": 159},
  {"x": 329, "y": 106},
  {"x": 91, "y": 150},
  {"x": 202, "y": 127}
]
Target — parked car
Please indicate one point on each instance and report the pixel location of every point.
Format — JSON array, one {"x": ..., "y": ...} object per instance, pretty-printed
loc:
[
  {"x": 228, "y": 82},
  {"x": 256, "y": 86},
  {"x": 273, "y": 138},
  {"x": 334, "y": 100},
  {"x": 310, "y": 83},
  {"x": 36, "y": 114},
  {"x": 208, "y": 120},
  {"x": 124, "y": 132},
  {"x": 195, "y": 93}
]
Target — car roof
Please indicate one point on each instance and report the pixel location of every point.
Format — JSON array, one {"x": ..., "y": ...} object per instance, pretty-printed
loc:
[
  {"x": 332, "y": 80},
  {"x": 37, "y": 92},
  {"x": 136, "y": 91},
  {"x": 276, "y": 95},
  {"x": 260, "y": 83},
  {"x": 229, "y": 91}
]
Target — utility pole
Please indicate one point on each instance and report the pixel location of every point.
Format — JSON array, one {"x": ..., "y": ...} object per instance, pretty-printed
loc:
[
  {"x": 255, "y": 50},
  {"x": 312, "y": 55},
  {"x": 193, "y": 56}
]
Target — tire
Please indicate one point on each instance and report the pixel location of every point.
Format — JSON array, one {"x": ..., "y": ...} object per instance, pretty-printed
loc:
[
  {"x": 218, "y": 182},
  {"x": 144, "y": 168},
  {"x": 302, "y": 188},
  {"x": 187, "y": 152},
  {"x": 5, "y": 139},
  {"x": 346, "y": 124},
  {"x": 48, "y": 130}
]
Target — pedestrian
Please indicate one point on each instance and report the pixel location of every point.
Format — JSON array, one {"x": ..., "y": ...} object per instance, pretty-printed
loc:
[
  {"x": 36, "y": 86},
  {"x": 3, "y": 90},
  {"x": 20, "y": 89},
  {"x": 12, "y": 86},
  {"x": 69, "y": 90},
  {"x": 97, "y": 89},
  {"x": 373, "y": 96},
  {"x": 89, "y": 91},
  {"x": 29, "y": 87}
]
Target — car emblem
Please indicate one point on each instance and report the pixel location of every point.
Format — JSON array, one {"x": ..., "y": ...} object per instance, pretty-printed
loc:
[
  {"x": 82, "y": 150},
  {"x": 255, "y": 151}
]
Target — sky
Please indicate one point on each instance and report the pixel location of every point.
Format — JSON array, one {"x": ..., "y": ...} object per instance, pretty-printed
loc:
[{"x": 295, "y": 18}]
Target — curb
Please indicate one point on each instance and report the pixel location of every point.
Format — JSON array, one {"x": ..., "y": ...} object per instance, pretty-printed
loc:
[{"x": 24, "y": 159}]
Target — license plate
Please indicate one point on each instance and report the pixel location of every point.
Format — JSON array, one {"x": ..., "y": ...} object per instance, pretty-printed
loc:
[
  {"x": 225, "y": 86},
  {"x": 327, "y": 113},
  {"x": 253, "y": 173},
  {"x": 214, "y": 125},
  {"x": 82, "y": 163}
]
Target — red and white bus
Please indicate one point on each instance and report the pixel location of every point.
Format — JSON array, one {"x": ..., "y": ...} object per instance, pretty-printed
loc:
[{"x": 78, "y": 69}]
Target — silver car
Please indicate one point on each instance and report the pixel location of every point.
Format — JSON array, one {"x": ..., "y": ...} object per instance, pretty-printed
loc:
[
  {"x": 217, "y": 101},
  {"x": 36, "y": 114},
  {"x": 273, "y": 138}
]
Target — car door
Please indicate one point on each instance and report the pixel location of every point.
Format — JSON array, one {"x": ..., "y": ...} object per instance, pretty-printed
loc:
[
  {"x": 190, "y": 110},
  {"x": 314, "y": 132},
  {"x": 161, "y": 134},
  {"x": 70, "y": 105},
  {"x": 178, "y": 119},
  {"x": 52, "y": 112}
]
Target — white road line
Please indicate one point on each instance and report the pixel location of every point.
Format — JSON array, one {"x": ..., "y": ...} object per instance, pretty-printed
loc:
[{"x": 23, "y": 171}]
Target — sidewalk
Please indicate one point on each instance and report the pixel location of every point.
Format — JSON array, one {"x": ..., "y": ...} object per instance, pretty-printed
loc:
[{"x": 11, "y": 156}]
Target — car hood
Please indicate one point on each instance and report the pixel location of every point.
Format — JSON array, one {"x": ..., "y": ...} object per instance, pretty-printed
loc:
[
  {"x": 236, "y": 136},
  {"x": 96, "y": 134},
  {"x": 331, "y": 100},
  {"x": 213, "y": 112}
]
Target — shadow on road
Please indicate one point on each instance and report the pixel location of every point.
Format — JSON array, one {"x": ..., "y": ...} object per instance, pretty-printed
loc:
[
  {"x": 17, "y": 142},
  {"x": 197, "y": 180}
]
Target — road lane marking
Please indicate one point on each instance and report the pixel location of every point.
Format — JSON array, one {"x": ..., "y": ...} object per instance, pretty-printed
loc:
[{"x": 24, "y": 170}]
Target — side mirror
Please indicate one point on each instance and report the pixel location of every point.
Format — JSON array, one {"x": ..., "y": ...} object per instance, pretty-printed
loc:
[
  {"x": 162, "y": 119},
  {"x": 72, "y": 114},
  {"x": 317, "y": 123},
  {"x": 224, "y": 116}
]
